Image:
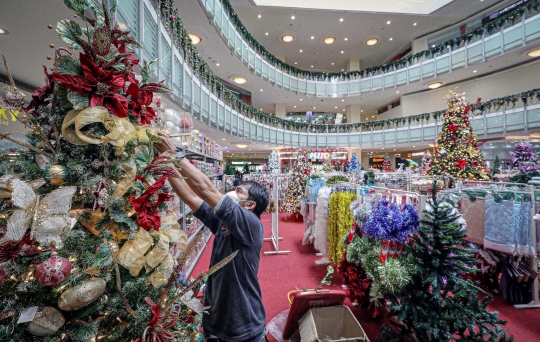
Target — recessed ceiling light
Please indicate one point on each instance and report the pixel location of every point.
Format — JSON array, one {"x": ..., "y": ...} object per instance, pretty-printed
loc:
[
  {"x": 414, "y": 24},
  {"x": 292, "y": 17},
  {"x": 300, "y": 99},
  {"x": 266, "y": 33},
  {"x": 312, "y": 37},
  {"x": 260, "y": 108},
  {"x": 239, "y": 80},
  {"x": 312, "y": 66},
  {"x": 314, "y": 107},
  {"x": 332, "y": 63},
  {"x": 217, "y": 64},
  {"x": 373, "y": 116},
  {"x": 433, "y": 45},
  {"x": 475, "y": 71},
  {"x": 342, "y": 100},
  {"x": 295, "y": 63},
  {"x": 241, "y": 146},
  {"x": 342, "y": 51},
  {"x": 194, "y": 38},
  {"x": 342, "y": 69},
  {"x": 259, "y": 16},
  {"x": 329, "y": 40},
  {"x": 414, "y": 146},
  {"x": 287, "y": 38},
  {"x": 294, "y": 106},
  {"x": 346, "y": 39},
  {"x": 300, "y": 50},
  {"x": 391, "y": 38},
  {"x": 223, "y": 138},
  {"x": 534, "y": 53},
  {"x": 343, "y": 109},
  {"x": 336, "y": 107},
  {"x": 397, "y": 92},
  {"x": 372, "y": 41},
  {"x": 434, "y": 85},
  {"x": 388, "y": 22},
  {"x": 366, "y": 119},
  {"x": 261, "y": 90}
]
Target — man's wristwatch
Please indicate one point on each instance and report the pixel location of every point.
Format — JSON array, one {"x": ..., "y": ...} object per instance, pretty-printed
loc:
[{"x": 179, "y": 153}]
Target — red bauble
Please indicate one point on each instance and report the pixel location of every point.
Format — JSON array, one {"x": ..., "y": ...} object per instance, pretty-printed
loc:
[
  {"x": 53, "y": 271},
  {"x": 184, "y": 123}
]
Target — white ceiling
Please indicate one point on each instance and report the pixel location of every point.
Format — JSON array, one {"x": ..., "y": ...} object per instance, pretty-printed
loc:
[{"x": 390, "y": 6}]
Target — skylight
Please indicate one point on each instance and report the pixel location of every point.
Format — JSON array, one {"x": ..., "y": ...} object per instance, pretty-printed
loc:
[{"x": 381, "y": 6}]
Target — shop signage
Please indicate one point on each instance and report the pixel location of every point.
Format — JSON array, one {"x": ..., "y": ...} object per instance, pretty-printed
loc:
[
  {"x": 317, "y": 155},
  {"x": 418, "y": 154},
  {"x": 241, "y": 162},
  {"x": 8, "y": 117},
  {"x": 377, "y": 160},
  {"x": 397, "y": 155},
  {"x": 503, "y": 11}
]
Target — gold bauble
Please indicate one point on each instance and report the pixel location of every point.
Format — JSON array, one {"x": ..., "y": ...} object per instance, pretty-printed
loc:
[
  {"x": 55, "y": 174},
  {"x": 46, "y": 322},
  {"x": 81, "y": 295}
]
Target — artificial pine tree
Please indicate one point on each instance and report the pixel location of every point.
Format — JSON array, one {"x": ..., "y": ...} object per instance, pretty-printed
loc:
[
  {"x": 496, "y": 165},
  {"x": 387, "y": 164},
  {"x": 327, "y": 166},
  {"x": 438, "y": 304},
  {"x": 426, "y": 161},
  {"x": 457, "y": 151},
  {"x": 85, "y": 237},
  {"x": 523, "y": 159},
  {"x": 353, "y": 165},
  {"x": 297, "y": 183},
  {"x": 273, "y": 162}
]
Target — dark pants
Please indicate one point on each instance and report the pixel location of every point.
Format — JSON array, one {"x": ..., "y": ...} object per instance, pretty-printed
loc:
[{"x": 258, "y": 338}]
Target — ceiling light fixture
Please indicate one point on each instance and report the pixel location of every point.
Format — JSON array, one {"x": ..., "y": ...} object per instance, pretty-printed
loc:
[
  {"x": 475, "y": 71},
  {"x": 300, "y": 50},
  {"x": 361, "y": 111},
  {"x": 239, "y": 80},
  {"x": 261, "y": 90},
  {"x": 287, "y": 38},
  {"x": 434, "y": 85},
  {"x": 241, "y": 145},
  {"x": 300, "y": 99},
  {"x": 292, "y": 17},
  {"x": 312, "y": 66},
  {"x": 194, "y": 38},
  {"x": 266, "y": 33},
  {"x": 414, "y": 24},
  {"x": 336, "y": 107},
  {"x": 332, "y": 63},
  {"x": 342, "y": 100},
  {"x": 329, "y": 40},
  {"x": 217, "y": 64},
  {"x": 388, "y": 22},
  {"x": 223, "y": 138},
  {"x": 397, "y": 92},
  {"x": 314, "y": 107},
  {"x": 346, "y": 39},
  {"x": 372, "y": 41},
  {"x": 342, "y": 51},
  {"x": 341, "y": 19},
  {"x": 295, "y": 63},
  {"x": 534, "y": 53},
  {"x": 259, "y": 16},
  {"x": 391, "y": 38},
  {"x": 312, "y": 37}
]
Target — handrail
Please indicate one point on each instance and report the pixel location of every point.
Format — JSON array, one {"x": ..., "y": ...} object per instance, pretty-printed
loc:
[
  {"x": 228, "y": 12},
  {"x": 198, "y": 98}
]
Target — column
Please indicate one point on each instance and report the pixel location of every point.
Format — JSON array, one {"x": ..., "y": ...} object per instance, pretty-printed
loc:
[
  {"x": 281, "y": 110},
  {"x": 353, "y": 113},
  {"x": 352, "y": 64}
]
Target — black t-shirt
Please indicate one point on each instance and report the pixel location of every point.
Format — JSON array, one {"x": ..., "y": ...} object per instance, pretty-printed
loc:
[{"x": 233, "y": 293}]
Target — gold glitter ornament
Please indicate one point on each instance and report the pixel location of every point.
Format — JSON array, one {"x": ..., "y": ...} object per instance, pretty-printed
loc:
[
  {"x": 81, "y": 295},
  {"x": 49, "y": 27},
  {"x": 46, "y": 322},
  {"x": 55, "y": 174},
  {"x": 49, "y": 58},
  {"x": 51, "y": 46}
]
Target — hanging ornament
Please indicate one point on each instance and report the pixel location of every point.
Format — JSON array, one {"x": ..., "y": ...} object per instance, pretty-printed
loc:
[
  {"x": 46, "y": 322},
  {"x": 53, "y": 271},
  {"x": 101, "y": 196},
  {"x": 81, "y": 295},
  {"x": 55, "y": 174},
  {"x": 104, "y": 247}
]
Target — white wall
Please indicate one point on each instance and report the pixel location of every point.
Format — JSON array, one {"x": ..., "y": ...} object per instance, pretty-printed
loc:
[{"x": 498, "y": 85}]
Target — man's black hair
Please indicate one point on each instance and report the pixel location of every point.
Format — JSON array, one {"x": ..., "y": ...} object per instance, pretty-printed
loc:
[{"x": 258, "y": 194}]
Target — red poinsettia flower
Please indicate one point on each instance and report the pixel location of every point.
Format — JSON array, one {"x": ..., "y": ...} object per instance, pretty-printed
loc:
[
  {"x": 102, "y": 86},
  {"x": 146, "y": 205},
  {"x": 40, "y": 94},
  {"x": 140, "y": 101},
  {"x": 452, "y": 127},
  {"x": 129, "y": 62}
]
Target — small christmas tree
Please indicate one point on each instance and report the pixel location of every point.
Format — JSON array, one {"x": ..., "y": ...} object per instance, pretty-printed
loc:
[
  {"x": 496, "y": 165},
  {"x": 327, "y": 166},
  {"x": 523, "y": 158},
  {"x": 426, "y": 162},
  {"x": 297, "y": 183},
  {"x": 353, "y": 165},
  {"x": 273, "y": 162},
  {"x": 386, "y": 165},
  {"x": 457, "y": 151},
  {"x": 438, "y": 304}
]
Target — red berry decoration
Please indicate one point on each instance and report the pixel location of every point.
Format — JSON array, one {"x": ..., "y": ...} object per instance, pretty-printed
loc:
[{"x": 54, "y": 271}]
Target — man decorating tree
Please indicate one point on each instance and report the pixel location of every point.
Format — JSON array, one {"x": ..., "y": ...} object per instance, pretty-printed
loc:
[{"x": 233, "y": 294}]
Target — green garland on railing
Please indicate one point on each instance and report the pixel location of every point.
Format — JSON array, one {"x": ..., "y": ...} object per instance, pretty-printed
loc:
[
  {"x": 270, "y": 58},
  {"x": 173, "y": 24}
]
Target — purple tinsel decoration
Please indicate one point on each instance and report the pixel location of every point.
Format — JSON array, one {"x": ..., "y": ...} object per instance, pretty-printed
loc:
[
  {"x": 387, "y": 222},
  {"x": 410, "y": 222}
]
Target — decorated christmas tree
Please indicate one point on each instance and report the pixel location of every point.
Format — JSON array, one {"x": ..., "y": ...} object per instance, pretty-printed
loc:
[
  {"x": 354, "y": 164},
  {"x": 496, "y": 165},
  {"x": 386, "y": 165},
  {"x": 426, "y": 162},
  {"x": 327, "y": 166},
  {"x": 273, "y": 162},
  {"x": 87, "y": 252},
  {"x": 457, "y": 151},
  {"x": 523, "y": 158},
  {"x": 297, "y": 183},
  {"x": 438, "y": 304}
]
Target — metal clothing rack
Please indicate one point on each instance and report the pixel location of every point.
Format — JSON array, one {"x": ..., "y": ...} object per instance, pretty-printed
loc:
[
  {"x": 421, "y": 198},
  {"x": 274, "y": 235},
  {"x": 528, "y": 189}
]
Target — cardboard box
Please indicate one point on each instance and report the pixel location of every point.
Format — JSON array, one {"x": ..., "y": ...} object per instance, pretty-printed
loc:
[{"x": 334, "y": 322}]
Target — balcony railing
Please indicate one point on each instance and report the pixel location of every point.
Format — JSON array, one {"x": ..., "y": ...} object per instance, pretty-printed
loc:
[
  {"x": 488, "y": 46},
  {"x": 192, "y": 95}
]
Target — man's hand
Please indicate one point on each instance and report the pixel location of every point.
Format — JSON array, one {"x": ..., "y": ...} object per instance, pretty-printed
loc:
[{"x": 166, "y": 143}]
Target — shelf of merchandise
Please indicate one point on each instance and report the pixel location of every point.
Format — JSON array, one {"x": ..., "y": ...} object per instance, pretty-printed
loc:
[
  {"x": 195, "y": 234},
  {"x": 200, "y": 154},
  {"x": 194, "y": 262}
]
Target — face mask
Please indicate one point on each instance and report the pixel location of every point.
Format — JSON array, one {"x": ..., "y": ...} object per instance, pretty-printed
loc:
[{"x": 232, "y": 195}]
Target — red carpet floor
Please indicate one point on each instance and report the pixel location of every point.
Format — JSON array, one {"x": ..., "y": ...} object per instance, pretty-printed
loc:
[{"x": 280, "y": 274}]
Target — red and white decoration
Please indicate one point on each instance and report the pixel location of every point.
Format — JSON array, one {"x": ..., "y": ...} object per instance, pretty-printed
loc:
[{"x": 54, "y": 271}]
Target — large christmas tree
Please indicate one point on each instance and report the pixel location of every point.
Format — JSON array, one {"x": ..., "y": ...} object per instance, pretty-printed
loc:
[
  {"x": 87, "y": 251},
  {"x": 273, "y": 162},
  {"x": 297, "y": 183},
  {"x": 457, "y": 151},
  {"x": 353, "y": 165},
  {"x": 438, "y": 304}
]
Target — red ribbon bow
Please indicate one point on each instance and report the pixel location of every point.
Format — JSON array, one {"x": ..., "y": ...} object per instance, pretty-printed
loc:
[{"x": 461, "y": 163}]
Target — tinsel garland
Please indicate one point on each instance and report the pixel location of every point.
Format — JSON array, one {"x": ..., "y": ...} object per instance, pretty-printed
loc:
[
  {"x": 357, "y": 281},
  {"x": 388, "y": 222},
  {"x": 388, "y": 277},
  {"x": 340, "y": 219},
  {"x": 321, "y": 221}
]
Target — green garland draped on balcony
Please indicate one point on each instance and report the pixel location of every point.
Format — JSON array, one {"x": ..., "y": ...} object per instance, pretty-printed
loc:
[
  {"x": 319, "y": 76},
  {"x": 173, "y": 24}
]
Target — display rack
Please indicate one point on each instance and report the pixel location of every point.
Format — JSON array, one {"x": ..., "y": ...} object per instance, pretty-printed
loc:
[
  {"x": 274, "y": 237},
  {"x": 197, "y": 257}
]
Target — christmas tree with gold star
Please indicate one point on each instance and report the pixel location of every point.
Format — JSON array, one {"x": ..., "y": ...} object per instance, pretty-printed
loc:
[{"x": 457, "y": 151}]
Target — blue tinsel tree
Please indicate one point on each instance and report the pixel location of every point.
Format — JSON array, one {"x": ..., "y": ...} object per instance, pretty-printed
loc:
[{"x": 354, "y": 164}]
